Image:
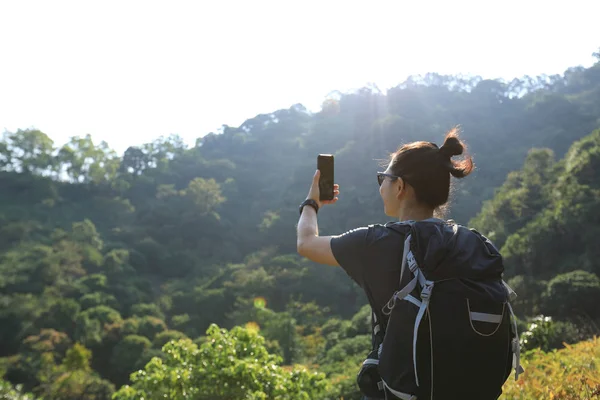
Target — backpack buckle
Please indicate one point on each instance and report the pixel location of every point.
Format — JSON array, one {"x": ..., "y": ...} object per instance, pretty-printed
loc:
[
  {"x": 426, "y": 291},
  {"x": 411, "y": 261},
  {"x": 387, "y": 309}
]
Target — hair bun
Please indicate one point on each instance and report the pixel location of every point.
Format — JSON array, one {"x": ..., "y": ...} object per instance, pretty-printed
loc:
[{"x": 453, "y": 146}]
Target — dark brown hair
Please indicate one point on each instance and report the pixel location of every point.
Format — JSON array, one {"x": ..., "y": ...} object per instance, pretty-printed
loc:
[{"x": 427, "y": 167}]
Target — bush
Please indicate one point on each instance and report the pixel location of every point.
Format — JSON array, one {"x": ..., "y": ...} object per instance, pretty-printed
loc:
[
  {"x": 147, "y": 309},
  {"x": 529, "y": 292},
  {"x": 229, "y": 365},
  {"x": 573, "y": 293},
  {"x": 547, "y": 334},
  {"x": 358, "y": 345},
  {"x": 126, "y": 355},
  {"x": 8, "y": 392},
  {"x": 150, "y": 326},
  {"x": 570, "y": 373},
  {"x": 165, "y": 337}
]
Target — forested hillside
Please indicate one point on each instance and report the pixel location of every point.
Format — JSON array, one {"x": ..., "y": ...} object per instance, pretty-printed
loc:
[{"x": 106, "y": 258}]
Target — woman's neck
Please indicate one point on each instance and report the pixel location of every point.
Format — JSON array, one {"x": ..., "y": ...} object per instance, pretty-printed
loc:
[{"x": 414, "y": 213}]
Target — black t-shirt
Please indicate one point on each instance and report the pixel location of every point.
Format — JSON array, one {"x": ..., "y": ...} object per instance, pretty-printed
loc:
[{"x": 372, "y": 257}]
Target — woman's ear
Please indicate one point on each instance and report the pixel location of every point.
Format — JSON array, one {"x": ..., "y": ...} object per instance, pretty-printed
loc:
[{"x": 401, "y": 188}]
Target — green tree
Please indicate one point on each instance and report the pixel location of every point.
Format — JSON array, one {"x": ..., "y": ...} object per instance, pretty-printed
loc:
[
  {"x": 151, "y": 310},
  {"x": 78, "y": 358},
  {"x": 230, "y": 364},
  {"x": 85, "y": 162},
  {"x": 38, "y": 354},
  {"x": 60, "y": 316},
  {"x": 5, "y": 153},
  {"x": 98, "y": 299},
  {"x": 165, "y": 337},
  {"x": 522, "y": 196},
  {"x": 94, "y": 283},
  {"x": 73, "y": 379},
  {"x": 10, "y": 392},
  {"x": 573, "y": 294},
  {"x": 205, "y": 194},
  {"x": 126, "y": 356},
  {"x": 90, "y": 324},
  {"x": 85, "y": 232},
  {"x": 134, "y": 161},
  {"x": 151, "y": 326},
  {"x": 30, "y": 151}
]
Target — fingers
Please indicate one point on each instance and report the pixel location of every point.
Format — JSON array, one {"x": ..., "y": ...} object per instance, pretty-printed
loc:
[
  {"x": 335, "y": 198},
  {"x": 314, "y": 190}
]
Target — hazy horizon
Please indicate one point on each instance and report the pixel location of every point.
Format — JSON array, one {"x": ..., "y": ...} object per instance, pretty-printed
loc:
[{"x": 128, "y": 73}]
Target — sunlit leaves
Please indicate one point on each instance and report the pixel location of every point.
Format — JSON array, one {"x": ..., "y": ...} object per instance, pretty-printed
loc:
[
  {"x": 570, "y": 373},
  {"x": 205, "y": 194},
  {"x": 229, "y": 364}
]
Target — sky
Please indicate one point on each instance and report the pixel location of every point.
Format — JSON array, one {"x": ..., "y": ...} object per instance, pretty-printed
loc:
[{"x": 130, "y": 71}]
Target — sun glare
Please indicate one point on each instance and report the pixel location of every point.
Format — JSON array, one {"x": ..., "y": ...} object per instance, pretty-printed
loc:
[
  {"x": 260, "y": 302},
  {"x": 252, "y": 326}
]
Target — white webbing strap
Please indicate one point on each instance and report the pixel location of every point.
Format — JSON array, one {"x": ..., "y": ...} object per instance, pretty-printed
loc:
[
  {"x": 413, "y": 300},
  {"x": 405, "y": 256},
  {"x": 411, "y": 260},
  {"x": 400, "y": 395},
  {"x": 485, "y": 317},
  {"x": 425, "y": 296},
  {"x": 399, "y": 295},
  {"x": 516, "y": 346},
  {"x": 511, "y": 293},
  {"x": 376, "y": 326},
  {"x": 407, "y": 259},
  {"x": 414, "y": 268}
]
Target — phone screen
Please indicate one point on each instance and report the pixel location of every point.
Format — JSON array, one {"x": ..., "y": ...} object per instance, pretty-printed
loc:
[{"x": 325, "y": 165}]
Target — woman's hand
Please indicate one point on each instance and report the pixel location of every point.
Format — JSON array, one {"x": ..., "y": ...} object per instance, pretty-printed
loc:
[{"x": 313, "y": 193}]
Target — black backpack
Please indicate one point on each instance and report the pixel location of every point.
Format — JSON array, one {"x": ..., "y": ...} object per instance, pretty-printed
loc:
[{"x": 449, "y": 332}]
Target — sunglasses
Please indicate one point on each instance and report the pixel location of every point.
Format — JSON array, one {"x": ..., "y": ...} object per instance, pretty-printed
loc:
[{"x": 381, "y": 177}]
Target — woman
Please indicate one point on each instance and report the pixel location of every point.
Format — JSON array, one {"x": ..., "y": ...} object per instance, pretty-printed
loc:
[{"x": 415, "y": 184}]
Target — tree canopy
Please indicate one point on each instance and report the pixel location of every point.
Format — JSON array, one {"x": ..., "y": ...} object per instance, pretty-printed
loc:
[{"x": 172, "y": 270}]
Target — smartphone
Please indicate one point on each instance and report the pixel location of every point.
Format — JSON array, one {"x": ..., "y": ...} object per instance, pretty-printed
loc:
[{"x": 325, "y": 165}]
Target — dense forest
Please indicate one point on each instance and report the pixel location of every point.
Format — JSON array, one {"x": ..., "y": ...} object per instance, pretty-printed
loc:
[{"x": 171, "y": 271}]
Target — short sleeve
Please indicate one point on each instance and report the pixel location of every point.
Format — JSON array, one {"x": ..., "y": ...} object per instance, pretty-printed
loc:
[{"x": 349, "y": 251}]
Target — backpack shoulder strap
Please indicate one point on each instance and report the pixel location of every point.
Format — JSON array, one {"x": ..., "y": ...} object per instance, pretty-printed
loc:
[
  {"x": 378, "y": 324},
  {"x": 516, "y": 346},
  {"x": 419, "y": 280},
  {"x": 378, "y": 319}
]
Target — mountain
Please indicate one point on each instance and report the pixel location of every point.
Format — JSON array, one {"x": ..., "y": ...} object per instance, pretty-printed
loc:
[
  {"x": 545, "y": 216},
  {"x": 105, "y": 258}
]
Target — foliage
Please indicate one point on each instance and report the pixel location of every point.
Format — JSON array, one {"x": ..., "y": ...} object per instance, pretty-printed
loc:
[
  {"x": 573, "y": 293},
  {"x": 551, "y": 255},
  {"x": 9, "y": 392},
  {"x": 546, "y": 334},
  {"x": 126, "y": 355},
  {"x": 523, "y": 195},
  {"x": 106, "y": 258},
  {"x": 569, "y": 374},
  {"x": 230, "y": 364}
]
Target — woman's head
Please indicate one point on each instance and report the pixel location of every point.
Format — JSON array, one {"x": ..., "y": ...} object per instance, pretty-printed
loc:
[{"x": 418, "y": 174}]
